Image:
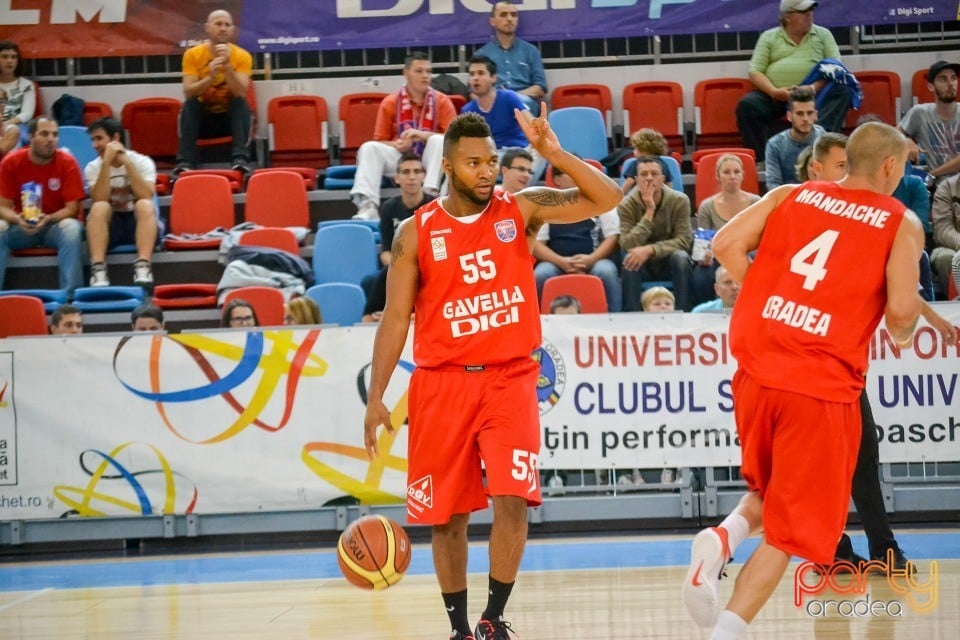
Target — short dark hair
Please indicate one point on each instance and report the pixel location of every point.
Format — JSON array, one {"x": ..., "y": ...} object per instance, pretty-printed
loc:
[
  {"x": 650, "y": 159},
  {"x": 511, "y": 154},
  {"x": 7, "y": 45},
  {"x": 408, "y": 156},
  {"x": 110, "y": 126},
  {"x": 565, "y": 302},
  {"x": 828, "y": 141},
  {"x": 34, "y": 124},
  {"x": 146, "y": 310},
  {"x": 485, "y": 61},
  {"x": 466, "y": 125},
  {"x": 233, "y": 304},
  {"x": 63, "y": 310},
  {"x": 413, "y": 57},
  {"x": 493, "y": 7},
  {"x": 800, "y": 94}
]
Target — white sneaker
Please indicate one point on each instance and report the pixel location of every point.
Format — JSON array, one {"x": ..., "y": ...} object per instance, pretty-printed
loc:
[
  {"x": 666, "y": 476},
  {"x": 142, "y": 273},
  {"x": 98, "y": 275},
  {"x": 625, "y": 481},
  {"x": 368, "y": 210},
  {"x": 708, "y": 555}
]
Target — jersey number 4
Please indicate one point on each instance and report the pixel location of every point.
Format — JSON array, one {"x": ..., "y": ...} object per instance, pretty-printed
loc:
[
  {"x": 810, "y": 261},
  {"x": 477, "y": 266}
]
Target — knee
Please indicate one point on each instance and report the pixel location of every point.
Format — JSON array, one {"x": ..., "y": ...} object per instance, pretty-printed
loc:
[
  {"x": 143, "y": 208},
  {"x": 70, "y": 230},
  {"x": 680, "y": 260},
  {"x": 99, "y": 212}
]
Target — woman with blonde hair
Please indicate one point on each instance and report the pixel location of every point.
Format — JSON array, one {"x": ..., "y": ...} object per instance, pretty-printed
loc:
[
  {"x": 715, "y": 212},
  {"x": 302, "y": 310}
]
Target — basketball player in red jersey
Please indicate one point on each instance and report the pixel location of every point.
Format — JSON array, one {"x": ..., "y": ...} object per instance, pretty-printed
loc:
[
  {"x": 462, "y": 263},
  {"x": 800, "y": 332}
]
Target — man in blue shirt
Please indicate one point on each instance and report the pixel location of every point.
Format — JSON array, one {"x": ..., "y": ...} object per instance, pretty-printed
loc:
[
  {"x": 495, "y": 105},
  {"x": 727, "y": 291},
  {"x": 783, "y": 148},
  {"x": 519, "y": 65}
]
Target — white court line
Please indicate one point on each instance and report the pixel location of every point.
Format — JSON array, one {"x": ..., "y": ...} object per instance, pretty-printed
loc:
[{"x": 29, "y": 596}]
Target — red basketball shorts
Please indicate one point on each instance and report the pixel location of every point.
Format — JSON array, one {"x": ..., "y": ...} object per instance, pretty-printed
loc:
[
  {"x": 799, "y": 454},
  {"x": 457, "y": 418}
]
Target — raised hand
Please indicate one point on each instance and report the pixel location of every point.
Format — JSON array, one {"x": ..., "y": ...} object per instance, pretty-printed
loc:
[{"x": 538, "y": 131}]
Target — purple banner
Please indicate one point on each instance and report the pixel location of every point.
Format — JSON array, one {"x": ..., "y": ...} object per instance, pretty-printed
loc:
[{"x": 356, "y": 24}]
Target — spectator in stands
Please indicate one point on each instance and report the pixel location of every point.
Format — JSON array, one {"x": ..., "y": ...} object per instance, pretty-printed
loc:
[
  {"x": 413, "y": 119},
  {"x": 40, "y": 194},
  {"x": 934, "y": 128},
  {"x": 239, "y": 313},
  {"x": 18, "y": 99},
  {"x": 147, "y": 317},
  {"x": 495, "y": 105},
  {"x": 803, "y": 164},
  {"x": 409, "y": 178},
  {"x": 646, "y": 142},
  {"x": 216, "y": 75},
  {"x": 783, "y": 148},
  {"x": 302, "y": 310},
  {"x": 782, "y": 58},
  {"x": 655, "y": 234},
  {"x": 727, "y": 290},
  {"x": 715, "y": 212},
  {"x": 828, "y": 161},
  {"x": 66, "y": 320},
  {"x": 565, "y": 305},
  {"x": 955, "y": 269},
  {"x": 121, "y": 183},
  {"x": 516, "y": 170},
  {"x": 945, "y": 215},
  {"x": 658, "y": 300},
  {"x": 519, "y": 65},
  {"x": 589, "y": 246}
]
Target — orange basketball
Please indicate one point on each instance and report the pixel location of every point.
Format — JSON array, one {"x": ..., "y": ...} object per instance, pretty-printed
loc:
[{"x": 373, "y": 552}]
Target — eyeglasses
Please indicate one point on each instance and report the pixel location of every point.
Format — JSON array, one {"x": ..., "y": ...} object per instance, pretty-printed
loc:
[
  {"x": 407, "y": 172},
  {"x": 242, "y": 320},
  {"x": 521, "y": 170}
]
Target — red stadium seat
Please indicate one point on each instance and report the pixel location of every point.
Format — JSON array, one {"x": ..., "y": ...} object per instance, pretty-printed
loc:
[
  {"x": 200, "y": 203},
  {"x": 299, "y": 131},
  {"x": 151, "y": 125},
  {"x": 200, "y": 295},
  {"x": 94, "y": 111},
  {"x": 715, "y": 111},
  {"x": 881, "y": 95},
  {"x": 266, "y": 302},
  {"x": 699, "y": 153},
  {"x": 22, "y": 316},
  {"x": 585, "y": 95},
  {"x": 654, "y": 105},
  {"x": 587, "y": 289},
  {"x": 920, "y": 87},
  {"x": 308, "y": 174},
  {"x": 273, "y": 237},
  {"x": 358, "y": 116},
  {"x": 277, "y": 199},
  {"x": 707, "y": 183}
]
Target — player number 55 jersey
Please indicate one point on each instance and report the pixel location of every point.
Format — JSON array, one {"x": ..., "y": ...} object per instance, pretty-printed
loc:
[{"x": 477, "y": 299}]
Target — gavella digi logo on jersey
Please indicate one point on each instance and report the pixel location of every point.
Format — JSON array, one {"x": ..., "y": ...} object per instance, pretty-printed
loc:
[
  {"x": 486, "y": 311},
  {"x": 553, "y": 376}
]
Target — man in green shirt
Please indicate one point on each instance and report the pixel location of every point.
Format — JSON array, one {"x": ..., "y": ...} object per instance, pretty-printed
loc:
[{"x": 781, "y": 60}]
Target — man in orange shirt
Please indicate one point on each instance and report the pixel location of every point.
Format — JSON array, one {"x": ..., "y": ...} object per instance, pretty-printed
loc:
[
  {"x": 800, "y": 332},
  {"x": 216, "y": 75},
  {"x": 412, "y": 119}
]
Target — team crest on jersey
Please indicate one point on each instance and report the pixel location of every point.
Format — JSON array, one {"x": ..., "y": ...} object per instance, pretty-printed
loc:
[
  {"x": 553, "y": 376},
  {"x": 439, "y": 247},
  {"x": 506, "y": 230}
]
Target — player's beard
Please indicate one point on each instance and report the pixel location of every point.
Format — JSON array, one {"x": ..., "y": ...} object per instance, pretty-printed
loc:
[{"x": 466, "y": 192}]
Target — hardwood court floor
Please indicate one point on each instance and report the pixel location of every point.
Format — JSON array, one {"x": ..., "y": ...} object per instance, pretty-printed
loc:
[{"x": 601, "y": 589}]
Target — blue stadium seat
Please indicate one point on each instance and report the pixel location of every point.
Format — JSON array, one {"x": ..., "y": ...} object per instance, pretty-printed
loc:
[
  {"x": 339, "y": 302},
  {"x": 373, "y": 225},
  {"x": 104, "y": 299},
  {"x": 675, "y": 178},
  {"x": 581, "y": 130},
  {"x": 344, "y": 253},
  {"x": 340, "y": 176},
  {"x": 77, "y": 142}
]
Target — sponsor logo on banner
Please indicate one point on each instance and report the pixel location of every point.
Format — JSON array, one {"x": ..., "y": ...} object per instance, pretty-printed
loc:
[
  {"x": 553, "y": 376},
  {"x": 506, "y": 230},
  {"x": 354, "y": 8}
]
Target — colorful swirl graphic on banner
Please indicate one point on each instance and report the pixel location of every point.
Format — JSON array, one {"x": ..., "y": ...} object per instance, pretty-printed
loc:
[
  {"x": 366, "y": 490},
  {"x": 273, "y": 363},
  {"x": 98, "y": 500}
]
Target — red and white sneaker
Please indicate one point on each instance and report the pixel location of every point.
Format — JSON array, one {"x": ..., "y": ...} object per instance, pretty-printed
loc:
[{"x": 708, "y": 555}]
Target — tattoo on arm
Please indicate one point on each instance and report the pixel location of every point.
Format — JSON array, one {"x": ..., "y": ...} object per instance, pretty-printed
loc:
[
  {"x": 553, "y": 198},
  {"x": 396, "y": 251}
]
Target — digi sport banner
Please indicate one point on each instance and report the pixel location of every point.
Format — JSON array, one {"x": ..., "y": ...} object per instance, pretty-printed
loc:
[
  {"x": 86, "y": 28},
  {"x": 236, "y": 422}
]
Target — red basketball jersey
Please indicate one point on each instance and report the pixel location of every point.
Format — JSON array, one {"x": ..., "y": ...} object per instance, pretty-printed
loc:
[
  {"x": 816, "y": 291},
  {"x": 477, "y": 300}
]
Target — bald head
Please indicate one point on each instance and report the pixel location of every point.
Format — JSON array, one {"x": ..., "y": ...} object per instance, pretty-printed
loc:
[
  {"x": 219, "y": 13},
  {"x": 219, "y": 27},
  {"x": 871, "y": 144}
]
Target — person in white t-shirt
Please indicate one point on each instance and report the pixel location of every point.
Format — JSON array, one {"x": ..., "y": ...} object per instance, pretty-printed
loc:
[
  {"x": 18, "y": 99},
  {"x": 121, "y": 184}
]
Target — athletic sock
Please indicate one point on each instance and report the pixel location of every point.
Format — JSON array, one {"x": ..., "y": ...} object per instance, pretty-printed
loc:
[
  {"x": 456, "y": 606},
  {"x": 737, "y": 530},
  {"x": 498, "y": 594},
  {"x": 730, "y": 626}
]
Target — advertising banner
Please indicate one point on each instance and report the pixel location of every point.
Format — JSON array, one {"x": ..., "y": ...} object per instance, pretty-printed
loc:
[{"x": 233, "y": 422}]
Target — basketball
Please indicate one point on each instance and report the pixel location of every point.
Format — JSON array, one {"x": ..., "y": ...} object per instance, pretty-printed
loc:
[{"x": 373, "y": 552}]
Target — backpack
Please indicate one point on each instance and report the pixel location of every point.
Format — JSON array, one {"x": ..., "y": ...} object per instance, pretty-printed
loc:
[
  {"x": 68, "y": 110},
  {"x": 450, "y": 85}
]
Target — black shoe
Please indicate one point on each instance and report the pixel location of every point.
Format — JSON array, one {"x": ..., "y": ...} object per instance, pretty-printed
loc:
[
  {"x": 456, "y": 635},
  {"x": 241, "y": 166},
  {"x": 180, "y": 168},
  {"x": 846, "y": 553},
  {"x": 900, "y": 562},
  {"x": 498, "y": 629}
]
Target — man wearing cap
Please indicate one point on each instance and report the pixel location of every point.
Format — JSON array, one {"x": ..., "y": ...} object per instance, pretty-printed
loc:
[
  {"x": 934, "y": 128},
  {"x": 781, "y": 60}
]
